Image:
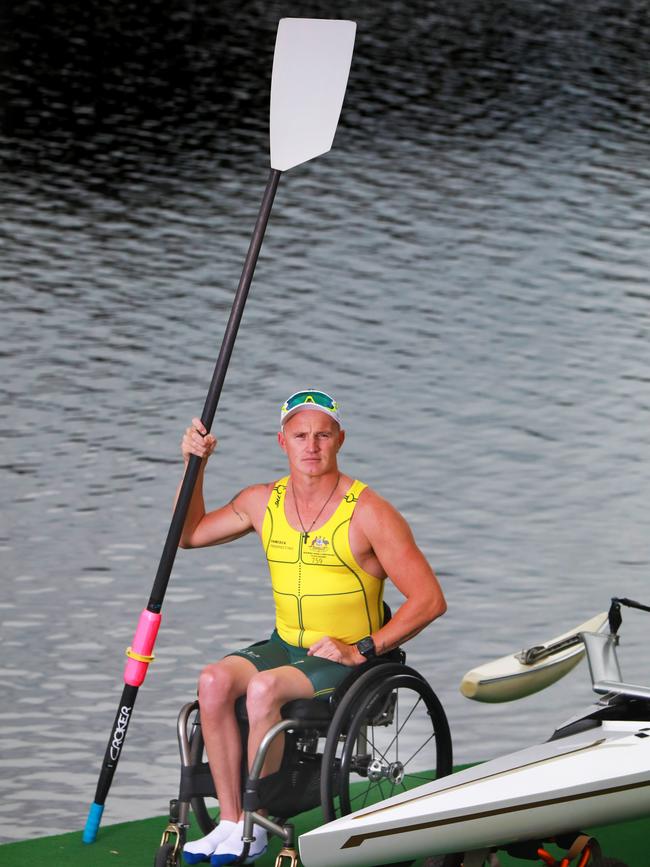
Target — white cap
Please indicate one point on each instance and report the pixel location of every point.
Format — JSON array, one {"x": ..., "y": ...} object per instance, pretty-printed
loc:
[{"x": 310, "y": 398}]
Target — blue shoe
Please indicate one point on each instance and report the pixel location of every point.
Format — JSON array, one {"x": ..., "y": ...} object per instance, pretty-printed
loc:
[
  {"x": 195, "y": 857},
  {"x": 230, "y": 858}
]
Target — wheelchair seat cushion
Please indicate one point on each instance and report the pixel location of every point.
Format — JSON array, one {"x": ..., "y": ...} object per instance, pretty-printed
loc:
[{"x": 307, "y": 710}]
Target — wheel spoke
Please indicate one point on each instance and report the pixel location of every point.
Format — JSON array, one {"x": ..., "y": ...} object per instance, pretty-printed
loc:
[
  {"x": 375, "y": 748},
  {"x": 430, "y": 738},
  {"x": 373, "y": 766},
  {"x": 397, "y": 733},
  {"x": 418, "y": 777},
  {"x": 412, "y": 781},
  {"x": 397, "y": 728},
  {"x": 383, "y": 754},
  {"x": 366, "y": 792}
]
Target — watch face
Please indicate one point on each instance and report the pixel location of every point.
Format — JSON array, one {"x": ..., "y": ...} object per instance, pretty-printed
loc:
[{"x": 366, "y": 647}]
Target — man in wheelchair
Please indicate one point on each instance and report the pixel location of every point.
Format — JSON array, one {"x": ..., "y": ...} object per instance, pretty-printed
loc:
[{"x": 330, "y": 542}]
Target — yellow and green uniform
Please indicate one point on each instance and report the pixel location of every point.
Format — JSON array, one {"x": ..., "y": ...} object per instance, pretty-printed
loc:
[
  {"x": 319, "y": 589},
  {"x": 318, "y": 586}
]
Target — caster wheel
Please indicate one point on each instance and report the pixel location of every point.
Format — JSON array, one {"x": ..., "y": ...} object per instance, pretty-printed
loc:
[{"x": 165, "y": 856}]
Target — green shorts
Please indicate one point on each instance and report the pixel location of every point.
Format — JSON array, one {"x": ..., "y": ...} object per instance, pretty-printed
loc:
[{"x": 324, "y": 674}]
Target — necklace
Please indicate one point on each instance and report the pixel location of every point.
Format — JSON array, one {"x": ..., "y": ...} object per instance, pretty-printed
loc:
[{"x": 305, "y": 533}]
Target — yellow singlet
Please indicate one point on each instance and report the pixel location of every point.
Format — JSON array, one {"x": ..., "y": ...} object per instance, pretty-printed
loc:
[{"x": 318, "y": 587}]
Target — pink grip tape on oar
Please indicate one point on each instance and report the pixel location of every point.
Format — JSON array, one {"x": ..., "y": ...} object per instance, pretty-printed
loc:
[{"x": 141, "y": 651}]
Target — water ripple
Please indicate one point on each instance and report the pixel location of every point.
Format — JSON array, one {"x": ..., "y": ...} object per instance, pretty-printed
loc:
[{"x": 467, "y": 271}]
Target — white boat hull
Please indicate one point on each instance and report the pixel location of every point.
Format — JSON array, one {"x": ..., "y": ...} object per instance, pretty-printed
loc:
[{"x": 596, "y": 777}]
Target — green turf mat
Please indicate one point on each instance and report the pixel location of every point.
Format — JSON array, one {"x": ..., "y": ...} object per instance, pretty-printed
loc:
[{"x": 133, "y": 844}]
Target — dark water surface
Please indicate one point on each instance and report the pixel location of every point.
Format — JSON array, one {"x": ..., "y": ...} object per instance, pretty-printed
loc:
[{"x": 467, "y": 272}]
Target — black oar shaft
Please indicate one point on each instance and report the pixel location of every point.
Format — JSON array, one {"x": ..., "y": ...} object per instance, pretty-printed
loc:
[
  {"x": 214, "y": 393},
  {"x": 111, "y": 758},
  {"x": 150, "y": 618},
  {"x": 116, "y": 741}
]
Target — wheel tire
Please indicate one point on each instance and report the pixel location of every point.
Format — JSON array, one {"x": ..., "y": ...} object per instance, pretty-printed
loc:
[
  {"x": 346, "y": 758},
  {"x": 164, "y": 856},
  {"x": 199, "y": 807}
]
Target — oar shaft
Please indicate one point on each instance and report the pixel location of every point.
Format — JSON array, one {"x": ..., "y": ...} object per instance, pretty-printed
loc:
[
  {"x": 214, "y": 393},
  {"x": 141, "y": 653},
  {"x": 111, "y": 758}
]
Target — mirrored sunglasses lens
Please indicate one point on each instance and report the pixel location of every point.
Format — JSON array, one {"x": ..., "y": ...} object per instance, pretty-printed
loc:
[
  {"x": 296, "y": 399},
  {"x": 317, "y": 397}
]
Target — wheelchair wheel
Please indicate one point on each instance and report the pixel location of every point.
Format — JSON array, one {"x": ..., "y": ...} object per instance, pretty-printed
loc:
[
  {"x": 165, "y": 856},
  {"x": 389, "y": 734},
  {"x": 199, "y": 808}
]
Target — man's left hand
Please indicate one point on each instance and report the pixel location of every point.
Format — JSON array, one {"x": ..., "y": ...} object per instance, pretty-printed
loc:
[{"x": 337, "y": 651}]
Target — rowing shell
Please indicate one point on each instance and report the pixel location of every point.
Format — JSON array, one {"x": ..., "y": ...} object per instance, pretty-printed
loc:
[
  {"x": 520, "y": 674},
  {"x": 591, "y": 778}
]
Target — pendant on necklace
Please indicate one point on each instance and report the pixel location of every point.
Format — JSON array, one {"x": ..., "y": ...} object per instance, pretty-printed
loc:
[{"x": 305, "y": 533}]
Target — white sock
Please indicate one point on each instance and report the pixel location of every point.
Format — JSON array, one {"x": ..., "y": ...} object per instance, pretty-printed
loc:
[
  {"x": 206, "y": 845},
  {"x": 233, "y": 845}
]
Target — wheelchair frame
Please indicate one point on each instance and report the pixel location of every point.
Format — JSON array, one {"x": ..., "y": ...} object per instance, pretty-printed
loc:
[{"x": 366, "y": 699}]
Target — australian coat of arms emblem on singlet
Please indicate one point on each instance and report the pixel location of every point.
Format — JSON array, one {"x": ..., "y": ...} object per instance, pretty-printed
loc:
[{"x": 320, "y": 542}]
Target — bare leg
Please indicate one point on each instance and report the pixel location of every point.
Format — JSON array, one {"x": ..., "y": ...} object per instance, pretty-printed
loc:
[
  {"x": 267, "y": 692},
  {"x": 220, "y": 685}
]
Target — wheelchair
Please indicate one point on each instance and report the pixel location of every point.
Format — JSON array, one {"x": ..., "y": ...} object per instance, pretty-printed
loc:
[{"x": 381, "y": 732}]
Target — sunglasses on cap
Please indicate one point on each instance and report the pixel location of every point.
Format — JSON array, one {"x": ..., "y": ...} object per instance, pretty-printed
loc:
[{"x": 310, "y": 399}]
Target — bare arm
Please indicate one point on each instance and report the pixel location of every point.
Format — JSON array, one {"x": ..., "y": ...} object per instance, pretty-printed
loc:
[
  {"x": 392, "y": 543},
  {"x": 407, "y": 567},
  {"x": 221, "y": 525}
]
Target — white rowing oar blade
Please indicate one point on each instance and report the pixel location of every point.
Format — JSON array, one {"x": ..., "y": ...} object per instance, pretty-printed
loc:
[{"x": 311, "y": 66}]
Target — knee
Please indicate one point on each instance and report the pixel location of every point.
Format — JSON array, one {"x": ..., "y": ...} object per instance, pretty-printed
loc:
[
  {"x": 263, "y": 696},
  {"x": 216, "y": 686}
]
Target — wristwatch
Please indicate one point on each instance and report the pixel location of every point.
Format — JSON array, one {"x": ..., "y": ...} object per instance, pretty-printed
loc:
[{"x": 366, "y": 647}]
